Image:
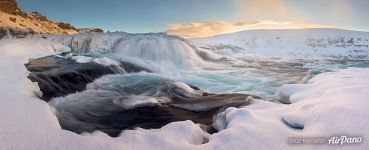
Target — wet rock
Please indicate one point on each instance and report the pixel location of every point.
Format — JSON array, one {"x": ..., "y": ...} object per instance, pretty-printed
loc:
[
  {"x": 59, "y": 77},
  {"x": 100, "y": 106}
]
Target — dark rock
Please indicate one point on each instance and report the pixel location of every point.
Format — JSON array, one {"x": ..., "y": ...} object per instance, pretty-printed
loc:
[
  {"x": 59, "y": 77},
  {"x": 39, "y": 16},
  {"x": 99, "y": 107},
  {"x": 9, "y": 6},
  {"x": 66, "y": 26},
  {"x": 90, "y": 30},
  {"x": 13, "y": 19}
]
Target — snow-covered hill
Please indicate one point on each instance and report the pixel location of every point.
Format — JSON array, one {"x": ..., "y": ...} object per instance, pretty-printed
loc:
[{"x": 288, "y": 44}]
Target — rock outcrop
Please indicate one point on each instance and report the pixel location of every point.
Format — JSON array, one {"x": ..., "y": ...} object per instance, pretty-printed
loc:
[
  {"x": 14, "y": 22},
  {"x": 9, "y": 6},
  {"x": 90, "y": 30},
  {"x": 59, "y": 77}
]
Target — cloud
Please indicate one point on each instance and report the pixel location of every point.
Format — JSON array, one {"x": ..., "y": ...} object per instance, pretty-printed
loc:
[
  {"x": 210, "y": 28},
  {"x": 341, "y": 9},
  {"x": 264, "y": 10}
]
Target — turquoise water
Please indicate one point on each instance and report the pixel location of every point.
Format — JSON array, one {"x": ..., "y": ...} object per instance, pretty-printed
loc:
[
  {"x": 249, "y": 76},
  {"x": 260, "y": 77}
]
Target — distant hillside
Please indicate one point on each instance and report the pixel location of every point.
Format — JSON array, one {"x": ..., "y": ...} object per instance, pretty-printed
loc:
[
  {"x": 18, "y": 23},
  {"x": 288, "y": 43}
]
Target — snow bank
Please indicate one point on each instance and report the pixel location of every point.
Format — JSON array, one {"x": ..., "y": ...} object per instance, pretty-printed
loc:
[
  {"x": 30, "y": 48},
  {"x": 331, "y": 104},
  {"x": 310, "y": 44}
]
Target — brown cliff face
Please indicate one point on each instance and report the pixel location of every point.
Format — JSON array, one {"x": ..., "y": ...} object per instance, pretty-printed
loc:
[
  {"x": 17, "y": 23},
  {"x": 9, "y": 6}
]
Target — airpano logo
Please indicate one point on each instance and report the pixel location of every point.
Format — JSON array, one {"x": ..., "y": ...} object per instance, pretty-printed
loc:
[
  {"x": 335, "y": 140},
  {"x": 345, "y": 140}
]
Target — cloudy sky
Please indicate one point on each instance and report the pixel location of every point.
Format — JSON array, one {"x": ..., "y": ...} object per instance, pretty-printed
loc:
[{"x": 196, "y": 18}]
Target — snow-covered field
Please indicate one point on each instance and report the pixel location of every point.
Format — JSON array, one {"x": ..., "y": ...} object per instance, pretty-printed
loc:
[
  {"x": 331, "y": 104},
  {"x": 289, "y": 44}
]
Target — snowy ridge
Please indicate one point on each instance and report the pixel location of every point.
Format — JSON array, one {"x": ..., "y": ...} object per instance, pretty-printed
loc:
[{"x": 289, "y": 44}]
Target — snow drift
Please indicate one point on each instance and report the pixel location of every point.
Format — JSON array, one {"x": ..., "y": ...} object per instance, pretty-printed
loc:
[{"x": 331, "y": 104}]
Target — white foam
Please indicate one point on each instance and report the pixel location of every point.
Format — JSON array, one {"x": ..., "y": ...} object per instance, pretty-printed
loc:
[
  {"x": 162, "y": 54},
  {"x": 131, "y": 102}
]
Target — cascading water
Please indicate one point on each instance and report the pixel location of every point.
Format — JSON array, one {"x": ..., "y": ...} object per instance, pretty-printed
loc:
[{"x": 163, "y": 54}]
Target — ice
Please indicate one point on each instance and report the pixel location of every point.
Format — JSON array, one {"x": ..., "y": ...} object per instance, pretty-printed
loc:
[
  {"x": 105, "y": 61},
  {"x": 136, "y": 101}
]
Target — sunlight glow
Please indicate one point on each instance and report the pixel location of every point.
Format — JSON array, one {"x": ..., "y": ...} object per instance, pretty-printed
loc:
[{"x": 204, "y": 29}]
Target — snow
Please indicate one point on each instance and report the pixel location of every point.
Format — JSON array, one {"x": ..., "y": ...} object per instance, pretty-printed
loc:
[
  {"x": 331, "y": 104},
  {"x": 307, "y": 44},
  {"x": 29, "y": 48},
  {"x": 86, "y": 59}
]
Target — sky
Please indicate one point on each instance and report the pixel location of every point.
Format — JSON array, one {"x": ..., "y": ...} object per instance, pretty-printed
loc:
[{"x": 199, "y": 18}]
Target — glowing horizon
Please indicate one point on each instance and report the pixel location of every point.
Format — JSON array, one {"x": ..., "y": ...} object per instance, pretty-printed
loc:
[
  {"x": 199, "y": 18},
  {"x": 205, "y": 29}
]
